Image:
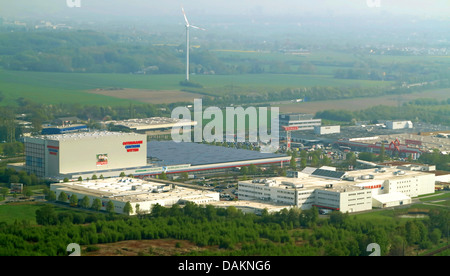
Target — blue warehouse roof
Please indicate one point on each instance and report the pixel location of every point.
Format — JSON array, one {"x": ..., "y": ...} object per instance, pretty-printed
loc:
[{"x": 172, "y": 153}]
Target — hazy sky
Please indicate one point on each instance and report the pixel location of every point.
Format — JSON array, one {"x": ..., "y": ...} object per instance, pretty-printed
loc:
[{"x": 156, "y": 8}]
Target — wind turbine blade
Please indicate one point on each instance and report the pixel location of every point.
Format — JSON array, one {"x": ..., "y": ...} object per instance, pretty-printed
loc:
[
  {"x": 185, "y": 17},
  {"x": 195, "y": 27}
]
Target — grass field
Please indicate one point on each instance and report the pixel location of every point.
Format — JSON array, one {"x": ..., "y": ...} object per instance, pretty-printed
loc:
[
  {"x": 361, "y": 103},
  {"x": 54, "y": 88},
  {"x": 267, "y": 82},
  {"x": 20, "y": 211},
  {"x": 438, "y": 199}
]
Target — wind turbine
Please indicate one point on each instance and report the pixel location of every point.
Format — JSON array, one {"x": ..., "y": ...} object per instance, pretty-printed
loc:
[{"x": 188, "y": 26}]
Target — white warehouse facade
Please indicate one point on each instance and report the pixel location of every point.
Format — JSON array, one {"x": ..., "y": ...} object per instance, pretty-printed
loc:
[{"x": 56, "y": 156}]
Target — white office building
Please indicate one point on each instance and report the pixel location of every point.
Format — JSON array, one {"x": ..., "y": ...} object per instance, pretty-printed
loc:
[
  {"x": 324, "y": 130},
  {"x": 300, "y": 120},
  {"x": 346, "y": 192},
  {"x": 399, "y": 124}
]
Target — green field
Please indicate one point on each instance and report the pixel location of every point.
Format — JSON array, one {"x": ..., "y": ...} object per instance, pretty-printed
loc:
[
  {"x": 54, "y": 88},
  {"x": 265, "y": 82},
  {"x": 20, "y": 212},
  {"x": 438, "y": 199}
]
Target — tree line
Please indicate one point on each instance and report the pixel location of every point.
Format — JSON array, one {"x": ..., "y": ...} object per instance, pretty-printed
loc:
[
  {"x": 414, "y": 111},
  {"x": 38, "y": 114},
  {"x": 98, "y": 52},
  {"x": 288, "y": 232}
]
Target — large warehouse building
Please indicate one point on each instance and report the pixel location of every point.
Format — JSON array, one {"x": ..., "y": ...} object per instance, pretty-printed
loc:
[
  {"x": 352, "y": 191},
  {"x": 85, "y": 153},
  {"x": 110, "y": 154}
]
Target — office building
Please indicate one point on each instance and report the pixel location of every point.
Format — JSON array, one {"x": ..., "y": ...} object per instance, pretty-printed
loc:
[{"x": 352, "y": 191}]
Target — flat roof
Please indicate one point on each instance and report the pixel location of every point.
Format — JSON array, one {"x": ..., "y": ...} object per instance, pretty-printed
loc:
[
  {"x": 121, "y": 189},
  {"x": 152, "y": 123},
  {"x": 395, "y": 196},
  {"x": 84, "y": 135},
  {"x": 309, "y": 182},
  {"x": 173, "y": 153},
  {"x": 65, "y": 126}
]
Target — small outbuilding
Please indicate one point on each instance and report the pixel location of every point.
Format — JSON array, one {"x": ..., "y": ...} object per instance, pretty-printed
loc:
[{"x": 390, "y": 200}]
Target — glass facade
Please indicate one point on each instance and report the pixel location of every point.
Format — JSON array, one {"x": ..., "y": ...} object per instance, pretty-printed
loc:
[{"x": 35, "y": 159}]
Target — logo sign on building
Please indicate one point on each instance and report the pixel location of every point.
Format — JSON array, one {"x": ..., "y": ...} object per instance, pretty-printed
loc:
[
  {"x": 133, "y": 146},
  {"x": 53, "y": 150},
  {"x": 290, "y": 128},
  {"x": 102, "y": 159}
]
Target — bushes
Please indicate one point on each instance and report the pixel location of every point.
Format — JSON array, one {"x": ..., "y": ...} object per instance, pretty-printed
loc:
[{"x": 293, "y": 232}]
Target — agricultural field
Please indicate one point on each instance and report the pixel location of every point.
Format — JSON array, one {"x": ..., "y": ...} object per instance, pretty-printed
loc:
[
  {"x": 117, "y": 89},
  {"x": 276, "y": 72},
  {"x": 53, "y": 88},
  {"x": 148, "y": 96},
  {"x": 357, "y": 104}
]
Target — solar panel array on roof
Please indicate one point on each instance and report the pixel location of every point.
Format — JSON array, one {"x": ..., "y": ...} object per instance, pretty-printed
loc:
[
  {"x": 172, "y": 153},
  {"x": 309, "y": 170},
  {"x": 328, "y": 174}
]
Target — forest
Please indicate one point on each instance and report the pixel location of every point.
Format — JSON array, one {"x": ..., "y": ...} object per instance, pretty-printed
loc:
[{"x": 225, "y": 231}]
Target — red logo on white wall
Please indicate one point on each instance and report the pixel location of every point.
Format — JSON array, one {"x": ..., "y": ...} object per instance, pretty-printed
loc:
[{"x": 133, "y": 146}]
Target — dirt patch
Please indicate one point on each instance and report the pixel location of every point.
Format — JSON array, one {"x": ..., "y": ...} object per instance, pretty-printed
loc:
[
  {"x": 148, "y": 96},
  {"x": 167, "y": 247},
  {"x": 361, "y": 103}
]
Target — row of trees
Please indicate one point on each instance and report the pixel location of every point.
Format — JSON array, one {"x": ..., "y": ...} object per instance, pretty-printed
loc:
[
  {"x": 37, "y": 114},
  {"x": 288, "y": 232},
  {"x": 435, "y": 113},
  {"x": 85, "y": 203},
  {"x": 442, "y": 161},
  {"x": 8, "y": 175}
]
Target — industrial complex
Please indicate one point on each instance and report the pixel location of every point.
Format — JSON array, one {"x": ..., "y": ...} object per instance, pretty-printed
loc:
[
  {"x": 325, "y": 188},
  {"x": 352, "y": 191},
  {"x": 402, "y": 138},
  {"x": 123, "y": 166},
  {"x": 111, "y": 154}
]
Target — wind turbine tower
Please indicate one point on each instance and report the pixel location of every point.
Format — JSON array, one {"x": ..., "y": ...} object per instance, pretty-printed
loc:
[{"x": 188, "y": 26}]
